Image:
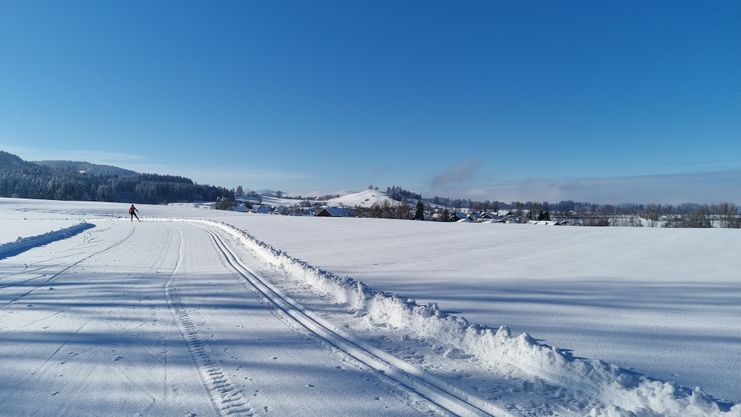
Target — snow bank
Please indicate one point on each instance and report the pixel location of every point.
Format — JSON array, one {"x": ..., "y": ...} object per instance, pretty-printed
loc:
[
  {"x": 610, "y": 390},
  {"x": 23, "y": 244}
]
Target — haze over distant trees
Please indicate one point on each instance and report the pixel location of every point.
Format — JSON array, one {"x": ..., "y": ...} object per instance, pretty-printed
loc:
[
  {"x": 70, "y": 180},
  {"x": 411, "y": 205},
  {"x": 83, "y": 181},
  {"x": 687, "y": 215}
]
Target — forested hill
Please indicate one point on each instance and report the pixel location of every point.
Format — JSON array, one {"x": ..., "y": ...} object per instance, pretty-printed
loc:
[
  {"x": 87, "y": 167},
  {"x": 67, "y": 180}
]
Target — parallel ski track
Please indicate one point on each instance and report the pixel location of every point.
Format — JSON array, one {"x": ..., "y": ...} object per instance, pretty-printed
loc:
[
  {"x": 441, "y": 397},
  {"x": 62, "y": 271},
  {"x": 226, "y": 398}
]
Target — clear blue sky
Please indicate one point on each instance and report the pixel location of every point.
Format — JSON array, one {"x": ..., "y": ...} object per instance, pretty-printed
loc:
[{"x": 488, "y": 99}]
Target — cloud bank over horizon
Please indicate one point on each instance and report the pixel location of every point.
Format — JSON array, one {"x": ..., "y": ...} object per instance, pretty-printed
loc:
[
  {"x": 462, "y": 180},
  {"x": 698, "y": 187}
]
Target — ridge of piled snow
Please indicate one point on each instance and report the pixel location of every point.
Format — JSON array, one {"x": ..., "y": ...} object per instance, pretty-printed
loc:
[
  {"x": 614, "y": 392},
  {"x": 362, "y": 199},
  {"x": 23, "y": 244}
]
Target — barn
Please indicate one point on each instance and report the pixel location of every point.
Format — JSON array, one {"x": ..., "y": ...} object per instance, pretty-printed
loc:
[{"x": 335, "y": 212}]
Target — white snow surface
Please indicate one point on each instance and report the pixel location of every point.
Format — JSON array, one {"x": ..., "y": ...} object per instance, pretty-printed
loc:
[
  {"x": 155, "y": 310},
  {"x": 664, "y": 302},
  {"x": 25, "y": 243},
  {"x": 24, "y": 226},
  {"x": 149, "y": 319},
  {"x": 365, "y": 199}
]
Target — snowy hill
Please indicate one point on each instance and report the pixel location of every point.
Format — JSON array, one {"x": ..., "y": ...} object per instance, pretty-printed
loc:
[{"x": 362, "y": 199}]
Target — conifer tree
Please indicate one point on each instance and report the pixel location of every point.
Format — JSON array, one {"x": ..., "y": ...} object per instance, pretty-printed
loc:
[{"x": 420, "y": 212}]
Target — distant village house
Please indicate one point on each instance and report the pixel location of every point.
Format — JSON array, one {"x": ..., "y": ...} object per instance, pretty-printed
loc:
[{"x": 335, "y": 212}]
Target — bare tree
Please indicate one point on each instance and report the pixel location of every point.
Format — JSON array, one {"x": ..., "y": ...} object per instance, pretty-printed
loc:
[
  {"x": 652, "y": 213},
  {"x": 403, "y": 211},
  {"x": 728, "y": 215},
  {"x": 697, "y": 219}
]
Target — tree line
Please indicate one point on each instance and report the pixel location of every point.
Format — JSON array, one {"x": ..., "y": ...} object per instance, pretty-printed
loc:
[{"x": 22, "y": 179}]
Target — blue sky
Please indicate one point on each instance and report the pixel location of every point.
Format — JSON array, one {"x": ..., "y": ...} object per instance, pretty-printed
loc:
[{"x": 611, "y": 101}]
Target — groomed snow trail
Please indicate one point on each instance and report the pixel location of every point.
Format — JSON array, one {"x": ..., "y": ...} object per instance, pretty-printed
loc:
[
  {"x": 227, "y": 399},
  {"x": 490, "y": 370},
  {"x": 22, "y": 244},
  {"x": 442, "y": 397},
  {"x": 194, "y": 317},
  {"x": 153, "y": 319}
]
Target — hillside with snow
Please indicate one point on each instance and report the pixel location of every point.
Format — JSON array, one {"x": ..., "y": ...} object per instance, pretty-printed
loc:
[{"x": 363, "y": 199}]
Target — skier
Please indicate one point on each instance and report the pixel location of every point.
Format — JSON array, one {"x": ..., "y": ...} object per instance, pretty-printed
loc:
[{"x": 132, "y": 212}]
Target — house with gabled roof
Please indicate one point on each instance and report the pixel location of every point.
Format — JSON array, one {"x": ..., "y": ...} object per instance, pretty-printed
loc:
[{"x": 335, "y": 212}]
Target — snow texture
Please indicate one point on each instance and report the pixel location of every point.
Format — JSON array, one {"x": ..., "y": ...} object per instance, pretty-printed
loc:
[
  {"x": 622, "y": 393},
  {"x": 662, "y": 302},
  {"x": 146, "y": 319},
  {"x": 204, "y": 297},
  {"x": 22, "y": 244}
]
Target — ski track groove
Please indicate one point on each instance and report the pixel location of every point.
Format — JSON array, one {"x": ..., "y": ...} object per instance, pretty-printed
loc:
[
  {"x": 17, "y": 283},
  {"x": 41, "y": 368},
  {"x": 65, "y": 269},
  {"x": 31, "y": 268},
  {"x": 87, "y": 240},
  {"x": 227, "y": 399},
  {"x": 440, "y": 398}
]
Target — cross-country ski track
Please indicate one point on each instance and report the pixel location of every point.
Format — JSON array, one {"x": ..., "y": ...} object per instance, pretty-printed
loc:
[
  {"x": 159, "y": 325},
  {"x": 443, "y": 398},
  {"x": 177, "y": 318}
]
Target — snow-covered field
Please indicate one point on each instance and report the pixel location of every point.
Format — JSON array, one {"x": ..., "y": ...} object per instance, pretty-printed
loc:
[
  {"x": 13, "y": 228},
  {"x": 185, "y": 318},
  {"x": 666, "y": 302}
]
